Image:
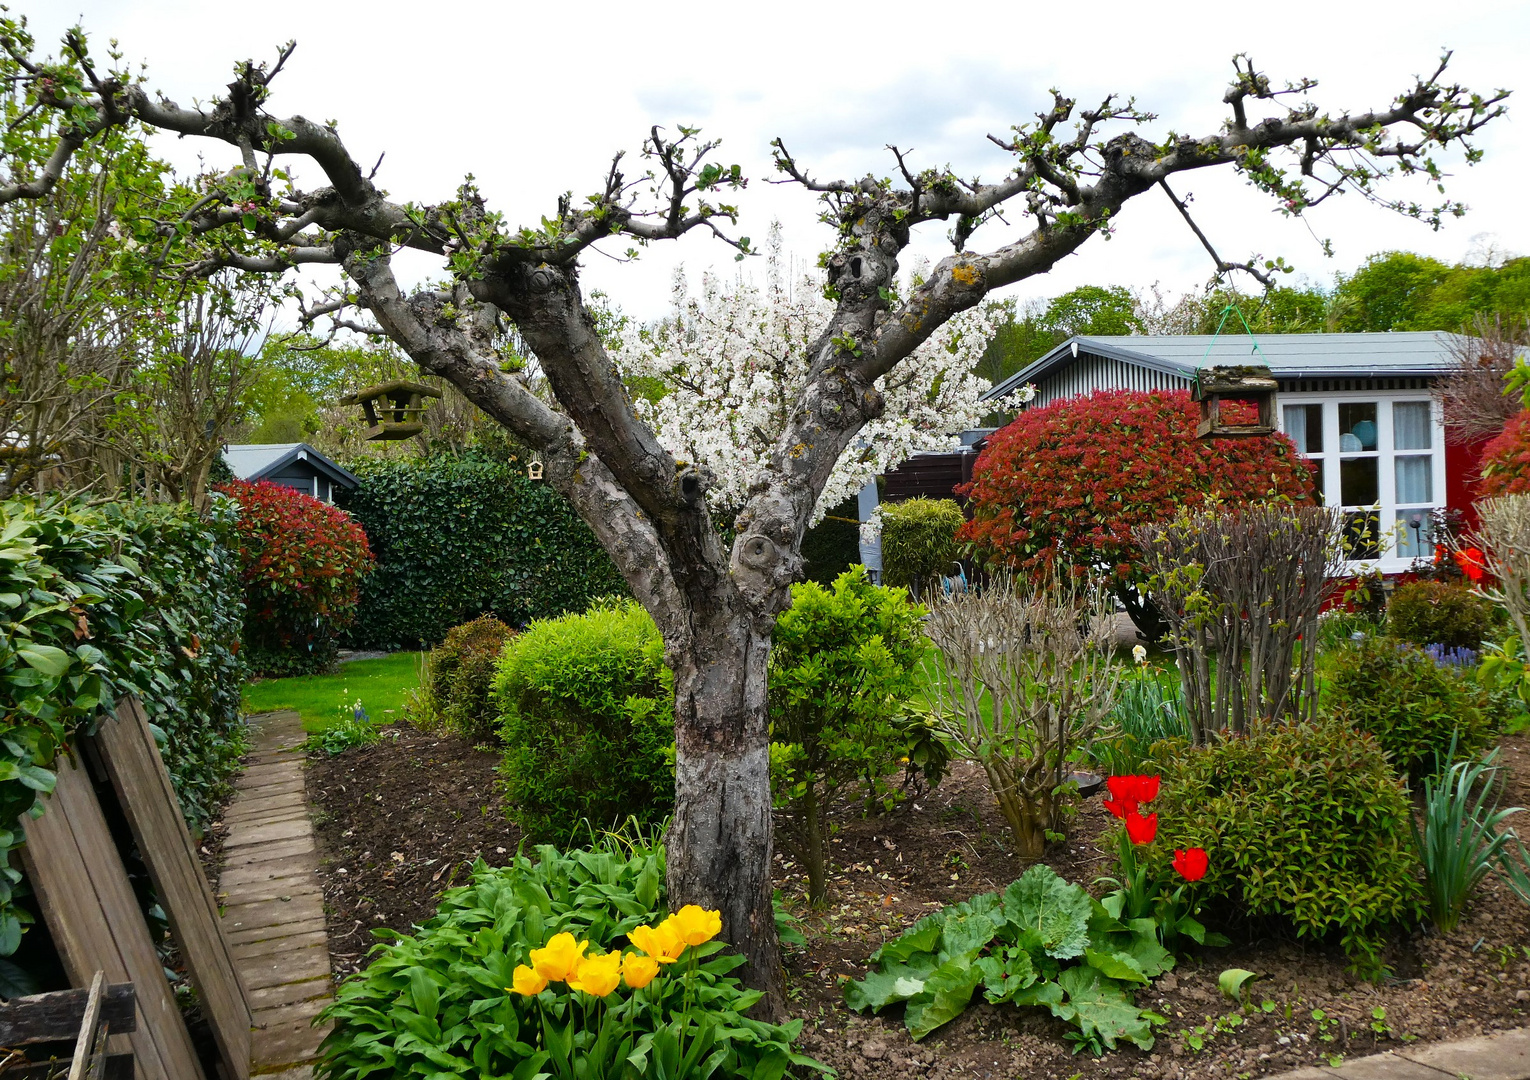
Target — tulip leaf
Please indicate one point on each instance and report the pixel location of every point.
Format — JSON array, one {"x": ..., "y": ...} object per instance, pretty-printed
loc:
[
  {"x": 1056, "y": 910},
  {"x": 1231, "y": 982}
]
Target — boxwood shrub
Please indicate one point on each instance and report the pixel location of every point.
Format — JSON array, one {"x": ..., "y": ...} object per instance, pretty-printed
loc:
[
  {"x": 1306, "y": 824},
  {"x": 96, "y": 603},
  {"x": 459, "y": 535},
  {"x": 587, "y": 720},
  {"x": 1409, "y": 702},
  {"x": 462, "y": 670},
  {"x": 1439, "y": 613}
]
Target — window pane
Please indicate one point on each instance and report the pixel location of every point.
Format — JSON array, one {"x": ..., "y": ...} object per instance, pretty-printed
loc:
[
  {"x": 1415, "y": 480},
  {"x": 1304, "y": 424},
  {"x": 1411, "y": 429},
  {"x": 1357, "y": 426},
  {"x": 1362, "y": 535},
  {"x": 1413, "y": 534},
  {"x": 1358, "y": 484}
]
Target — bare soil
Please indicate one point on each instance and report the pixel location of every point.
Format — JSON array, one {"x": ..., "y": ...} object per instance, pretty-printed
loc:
[{"x": 402, "y": 820}]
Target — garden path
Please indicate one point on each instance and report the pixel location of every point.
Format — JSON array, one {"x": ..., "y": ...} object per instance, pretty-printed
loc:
[
  {"x": 273, "y": 903},
  {"x": 1503, "y": 1056}
]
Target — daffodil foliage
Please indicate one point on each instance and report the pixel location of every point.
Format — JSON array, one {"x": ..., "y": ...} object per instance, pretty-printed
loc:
[
  {"x": 730, "y": 366},
  {"x": 1044, "y": 942}
]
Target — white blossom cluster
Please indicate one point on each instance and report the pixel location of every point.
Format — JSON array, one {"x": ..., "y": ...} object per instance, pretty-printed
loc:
[{"x": 719, "y": 378}]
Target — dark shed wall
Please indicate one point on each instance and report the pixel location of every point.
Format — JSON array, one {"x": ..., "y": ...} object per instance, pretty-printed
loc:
[{"x": 933, "y": 476}]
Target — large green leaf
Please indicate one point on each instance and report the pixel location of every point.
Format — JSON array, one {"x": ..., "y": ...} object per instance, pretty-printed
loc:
[
  {"x": 1101, "y": 1009},
  {"x": 970, "y": 926},
  {"x": 922, "y": 937},
  {"x": 1116, "y": 965},
  {"x": 48, "y": 659},
  {"x": 1007, "y": 974},
  {"x": 897, "y": 982},
  {"x": 1054, "y": 911},
  {"x": 946, "y": 993}
]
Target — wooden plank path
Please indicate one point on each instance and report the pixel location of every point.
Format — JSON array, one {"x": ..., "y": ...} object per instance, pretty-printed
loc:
[{"x": 273, "y": 903}]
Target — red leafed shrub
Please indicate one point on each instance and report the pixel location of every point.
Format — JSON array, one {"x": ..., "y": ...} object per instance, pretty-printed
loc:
[
  {"x": 1067, "y": 483},
  {"x": 303, "y": 561},
  {"x": 1506, "y": 459}
]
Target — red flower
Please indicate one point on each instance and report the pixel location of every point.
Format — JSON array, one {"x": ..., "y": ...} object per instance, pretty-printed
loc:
[
  {"x": 1191, "y": 864},
  {"x": 1129, "y": 792},
  {"x": 1472, "y": 564},
  {"x": 1141, "y": 829}
]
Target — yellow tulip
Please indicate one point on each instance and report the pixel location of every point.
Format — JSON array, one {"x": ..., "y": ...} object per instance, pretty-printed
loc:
[
  {"x": 527, "y": 981},
  {"x": 695, "y": 926},
  {"x": 663, "y": 943},
  {"x": 598, "y": 975},
  {"x": 558, "y": 961},
  {"x": 638, "y": 970}
]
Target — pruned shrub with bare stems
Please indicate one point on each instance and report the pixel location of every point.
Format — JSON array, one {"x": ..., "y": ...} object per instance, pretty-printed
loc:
[
  {"x": 1502, "y": 574},
  {"x": 1024, "y": 676},
  {"x": 1245, "y": 586}
]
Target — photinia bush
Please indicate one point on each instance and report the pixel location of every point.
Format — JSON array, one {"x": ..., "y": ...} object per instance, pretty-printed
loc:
[
  {"x": 1506, "y": 459},
  {"x": 1067, "y": 482},
  {"x": 303, "y": 561}
]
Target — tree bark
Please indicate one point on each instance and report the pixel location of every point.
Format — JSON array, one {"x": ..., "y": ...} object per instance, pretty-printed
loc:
[{"x": 720, "y": 843}]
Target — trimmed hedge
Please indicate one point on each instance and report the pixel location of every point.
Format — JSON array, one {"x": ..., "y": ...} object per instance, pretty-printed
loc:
[
  {"x": 96, "y": 603},
  {"x": 919, "y": 541},
  {"x": 462, "y": 670},
  {"x": 1439, "y": 613},
  {"x": 456, "y": 536}
]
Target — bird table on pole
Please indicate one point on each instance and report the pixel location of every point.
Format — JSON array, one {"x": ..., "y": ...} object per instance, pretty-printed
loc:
[{"x": 393, "y": 409}]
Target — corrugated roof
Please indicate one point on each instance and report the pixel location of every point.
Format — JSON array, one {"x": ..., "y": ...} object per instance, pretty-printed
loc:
[
  {"x": 1289, "y": 356},
  {"x": 254, "y": 461}
]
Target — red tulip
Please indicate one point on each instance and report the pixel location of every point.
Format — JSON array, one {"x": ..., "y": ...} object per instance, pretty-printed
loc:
[
  {"x": 1147, "y": 788},
  {"x": 1191, "y": 864},
  {"x": 1120, "y": 807},
  {"x": 1141, "y": 829},
  {"x": 1472, "y": 563}
]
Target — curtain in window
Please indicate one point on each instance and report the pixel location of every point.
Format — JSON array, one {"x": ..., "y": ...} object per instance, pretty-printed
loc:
[
  {"x": 1411, "y": 429},
  {"x": 1414, "y": 480}
]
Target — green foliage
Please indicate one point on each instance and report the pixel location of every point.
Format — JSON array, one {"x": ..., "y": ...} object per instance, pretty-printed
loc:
[
  {"x": 1044, "y": 942},
  {"x": 99, "y": 603},
  {"x": 1439, "y": 613},
  {"x": 384, "y": 684},
  {"x": 919, "y": 541},
  {"x": 1463, "y": 835},
  {"x": 458, "y": 536},
  {"x": 348, "y": 733},
  {"x": 842, "y": 664},
  {"x": 586, "y": 711},
  {"x": 1303, "y": 822},
  {"x": 1398, "y": 290},
  {"x": 462, "y": 670},
  {"x": 1412, "y": 705},
  {"x": 1146, "y": 711},
  {"x": 833, "y": 545},
  {"x": 436, "y": 1003},
  {"x": 1023, "y": 337}
]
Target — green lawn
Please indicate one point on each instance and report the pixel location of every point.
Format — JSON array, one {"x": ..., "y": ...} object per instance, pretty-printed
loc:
[{"x": 380, "y": 684}]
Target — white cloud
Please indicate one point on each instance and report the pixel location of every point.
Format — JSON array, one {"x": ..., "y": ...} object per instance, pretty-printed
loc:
[{"x": 535, "y": 98}]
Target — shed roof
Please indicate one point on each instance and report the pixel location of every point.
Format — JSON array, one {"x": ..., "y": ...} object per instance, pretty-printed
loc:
[
  {"x": 1289, "y": 356},
  {"x": 256, "y": 461}
]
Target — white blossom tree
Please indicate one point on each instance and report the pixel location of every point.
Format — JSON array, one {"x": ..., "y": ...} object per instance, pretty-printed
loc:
[
  {"x": 733, "y": 361},
  {"x": 1070, "y": 175}
]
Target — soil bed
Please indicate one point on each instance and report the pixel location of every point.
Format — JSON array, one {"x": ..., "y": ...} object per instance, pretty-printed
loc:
[{"x": 400, "y": 821}]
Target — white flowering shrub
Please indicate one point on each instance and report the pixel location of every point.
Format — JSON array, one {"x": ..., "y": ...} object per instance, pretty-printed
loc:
[{"x": 728, "y": 365}]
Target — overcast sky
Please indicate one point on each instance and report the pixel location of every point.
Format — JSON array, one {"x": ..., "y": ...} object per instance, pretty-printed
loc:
[{"x": 534, "y": 98}]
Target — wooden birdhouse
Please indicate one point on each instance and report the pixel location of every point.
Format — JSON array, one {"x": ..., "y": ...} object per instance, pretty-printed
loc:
[
  {"x": 1235, "y": 401},
  {"x": 393, "y": 409}
]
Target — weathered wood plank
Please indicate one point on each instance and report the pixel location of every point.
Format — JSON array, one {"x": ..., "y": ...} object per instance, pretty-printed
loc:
[
  {"x": 143, "y": 785},
  {"x": 56, "y": 1016},
  {"x": 96, "y": 922}
]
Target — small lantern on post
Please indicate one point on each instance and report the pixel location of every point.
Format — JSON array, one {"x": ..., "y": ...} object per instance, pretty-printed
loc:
[
  {"x": 393, "y": 410},
  {"x": 1250, "y": 388}
]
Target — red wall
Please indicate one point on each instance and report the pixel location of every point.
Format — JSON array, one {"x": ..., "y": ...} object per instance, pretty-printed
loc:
[{"x": 1463, "y": 463}]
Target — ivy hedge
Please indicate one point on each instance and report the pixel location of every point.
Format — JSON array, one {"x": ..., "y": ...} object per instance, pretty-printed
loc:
[
  {"x": 98, "y": 602},
  {"x": 458, "y": 536}
]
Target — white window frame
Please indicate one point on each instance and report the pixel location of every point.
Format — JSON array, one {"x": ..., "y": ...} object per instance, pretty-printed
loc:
[{"x": 1390, "y": 562}]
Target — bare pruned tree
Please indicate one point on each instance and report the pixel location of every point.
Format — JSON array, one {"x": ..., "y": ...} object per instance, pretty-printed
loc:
[
  {"x": 1473, "y": 393},
  {"x": 1073, "y": 172}
]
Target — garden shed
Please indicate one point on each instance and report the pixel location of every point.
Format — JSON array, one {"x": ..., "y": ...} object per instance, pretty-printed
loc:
[
  {"x": 1359, "y": 406},
  {"x": 294, "y": 465}
]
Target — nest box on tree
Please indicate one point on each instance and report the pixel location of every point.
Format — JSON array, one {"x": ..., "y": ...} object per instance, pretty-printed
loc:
[
  {"x": 393, "y": 409},
  {"x": 1235, "y": 401}
]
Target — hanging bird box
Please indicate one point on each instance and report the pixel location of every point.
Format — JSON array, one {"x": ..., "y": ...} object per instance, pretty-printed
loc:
[
  {"x": 393, "y": 409},
  {"x": 1235, "y": 401}
]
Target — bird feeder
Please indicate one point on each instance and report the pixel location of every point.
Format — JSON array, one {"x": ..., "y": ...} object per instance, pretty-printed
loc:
[
  {"x": 1235, "y": 401},
  {"x": 393, "y": 410},
  {"x": 534, "y": 471}
]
